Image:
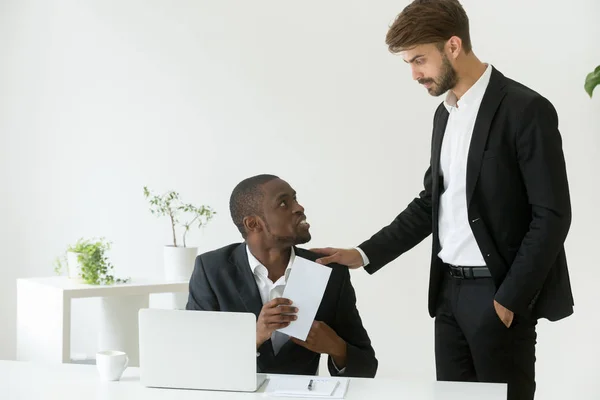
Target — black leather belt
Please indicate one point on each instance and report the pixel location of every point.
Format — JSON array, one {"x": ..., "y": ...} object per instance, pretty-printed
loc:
[{"x": 457, "y": 271}]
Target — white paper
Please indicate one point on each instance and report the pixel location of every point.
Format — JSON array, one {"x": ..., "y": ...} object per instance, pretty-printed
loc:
[
  {"x": 296, "y": 386},
  {"x": 305, "y": 288}
]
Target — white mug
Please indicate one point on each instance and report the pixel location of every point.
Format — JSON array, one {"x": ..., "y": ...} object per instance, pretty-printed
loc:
[{"x": 111, "y": 364}]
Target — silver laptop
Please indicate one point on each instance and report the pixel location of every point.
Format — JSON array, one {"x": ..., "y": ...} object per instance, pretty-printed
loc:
[{"x": 198, "y": 350}]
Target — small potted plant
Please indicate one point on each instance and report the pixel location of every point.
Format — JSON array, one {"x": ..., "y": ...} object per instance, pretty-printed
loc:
[
  {"x": 592, "y": 80},
  {"x": 178, "y": 257},
  {"x": 86, "y": 261}
]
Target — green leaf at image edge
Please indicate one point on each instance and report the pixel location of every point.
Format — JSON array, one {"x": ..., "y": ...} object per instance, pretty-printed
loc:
[{"x": 592, "y": 80}]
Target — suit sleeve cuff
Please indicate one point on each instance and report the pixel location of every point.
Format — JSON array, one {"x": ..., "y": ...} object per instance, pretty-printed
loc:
[
  {"x": 339, "y": 371},
  {"x": 364, "y": 256}
]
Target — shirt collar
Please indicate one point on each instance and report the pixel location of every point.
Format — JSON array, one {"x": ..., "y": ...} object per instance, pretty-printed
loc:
[
  {"x": 473, "y": 95},
  {"x": 255, "y": 264}
]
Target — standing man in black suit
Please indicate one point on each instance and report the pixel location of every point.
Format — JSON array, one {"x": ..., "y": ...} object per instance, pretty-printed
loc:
[
  {"x": 496, "y": 199},
  {"x": 251, "y": 277}
]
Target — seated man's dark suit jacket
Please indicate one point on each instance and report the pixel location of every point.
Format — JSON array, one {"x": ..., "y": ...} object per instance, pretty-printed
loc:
[{"x": 223, "y": 281}]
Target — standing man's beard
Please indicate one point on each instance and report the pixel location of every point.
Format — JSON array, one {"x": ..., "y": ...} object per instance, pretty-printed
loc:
[{"x": 447, "y": 80}]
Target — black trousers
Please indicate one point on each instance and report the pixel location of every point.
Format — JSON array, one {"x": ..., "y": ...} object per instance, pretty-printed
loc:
[{"x": 472, "y": 344}]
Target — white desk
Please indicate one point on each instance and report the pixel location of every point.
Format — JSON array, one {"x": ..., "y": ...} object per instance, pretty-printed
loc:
[
  {"x": 44, "y": 315},
  {"x": 26, "y": 380}
]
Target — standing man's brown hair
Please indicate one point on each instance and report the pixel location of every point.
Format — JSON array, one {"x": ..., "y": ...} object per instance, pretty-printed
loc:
[
  {"x": 429, "y": 21},
  {"x": 496, "y": 199}
]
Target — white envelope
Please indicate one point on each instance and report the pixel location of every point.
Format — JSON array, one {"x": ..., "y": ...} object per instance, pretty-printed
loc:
[{"x": 305, "y": 288}]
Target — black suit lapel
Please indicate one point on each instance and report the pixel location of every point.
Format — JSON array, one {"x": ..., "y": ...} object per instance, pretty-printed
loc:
[
  {"x": 489, "y": 105},
  {"x": 244, "y": 281},
  {"x": 439, "y": 128}
]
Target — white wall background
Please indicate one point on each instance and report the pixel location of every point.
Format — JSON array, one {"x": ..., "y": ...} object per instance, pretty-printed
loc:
[{"x": 98, "y": 98}]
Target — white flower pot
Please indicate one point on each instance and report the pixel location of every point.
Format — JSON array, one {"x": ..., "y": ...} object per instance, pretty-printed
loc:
[
  {"x": 179, "y": 262},
  {"x": 178, "y": 266},
  {"x": 73, "y": 266}
]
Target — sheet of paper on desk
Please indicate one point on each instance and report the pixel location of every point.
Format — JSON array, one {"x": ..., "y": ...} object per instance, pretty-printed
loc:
[
  {"x": 297, "y": 386},
  {"x": 305, "y": 287}
]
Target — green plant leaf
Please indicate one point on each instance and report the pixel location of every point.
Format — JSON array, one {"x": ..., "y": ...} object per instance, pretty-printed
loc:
[
  {"x": 96, "y": 269},
  {"x": 181, "y": 215},
  {"x": 592, "y": 80}
]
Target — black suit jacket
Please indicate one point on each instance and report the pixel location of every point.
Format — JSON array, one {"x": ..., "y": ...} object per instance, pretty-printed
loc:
[
  {"x": 223, "y": 281},
  {"x": 517, "y": 198}
]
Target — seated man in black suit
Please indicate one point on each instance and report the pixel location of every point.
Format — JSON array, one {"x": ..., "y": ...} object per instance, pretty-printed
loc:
[{"x": 251, "y": 276}]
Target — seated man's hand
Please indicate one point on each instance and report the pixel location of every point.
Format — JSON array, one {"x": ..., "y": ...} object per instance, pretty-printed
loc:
[
  {"x": 274, "y": 315},
  {"x": 323, "y": 340}
]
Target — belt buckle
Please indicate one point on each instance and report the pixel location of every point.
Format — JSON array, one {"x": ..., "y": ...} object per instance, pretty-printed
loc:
[{"x": 457, "y": 272}]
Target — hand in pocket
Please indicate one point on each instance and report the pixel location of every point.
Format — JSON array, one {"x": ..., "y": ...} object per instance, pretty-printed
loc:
[{"x": 505, "y": 315}]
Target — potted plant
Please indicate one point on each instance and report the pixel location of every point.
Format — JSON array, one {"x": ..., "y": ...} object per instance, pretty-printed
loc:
[
  {"x": 178, "y": 257},
  {"x": 592, "y": 80},
  {"x": 86, "y": 261}
]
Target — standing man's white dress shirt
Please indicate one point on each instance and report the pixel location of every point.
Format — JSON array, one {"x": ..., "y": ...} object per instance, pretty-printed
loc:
[
  {"x": 458, "y": 245},
  {"x": 270, "y": 290}
]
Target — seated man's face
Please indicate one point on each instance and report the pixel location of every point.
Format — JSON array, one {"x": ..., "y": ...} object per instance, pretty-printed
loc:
[{"x": 284, "y": 218}]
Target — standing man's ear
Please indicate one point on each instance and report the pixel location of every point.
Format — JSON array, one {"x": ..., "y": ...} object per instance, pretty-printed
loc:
[
  {"x": 252, "y": 224},
  {"x": 454, "y": 46}
]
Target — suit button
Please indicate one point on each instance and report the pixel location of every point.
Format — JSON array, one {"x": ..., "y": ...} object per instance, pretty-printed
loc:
[{"x": 487, "y": 255}]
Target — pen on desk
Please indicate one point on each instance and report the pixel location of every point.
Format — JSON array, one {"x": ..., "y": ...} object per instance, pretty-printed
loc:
[{"x": 310, "y": 385}]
